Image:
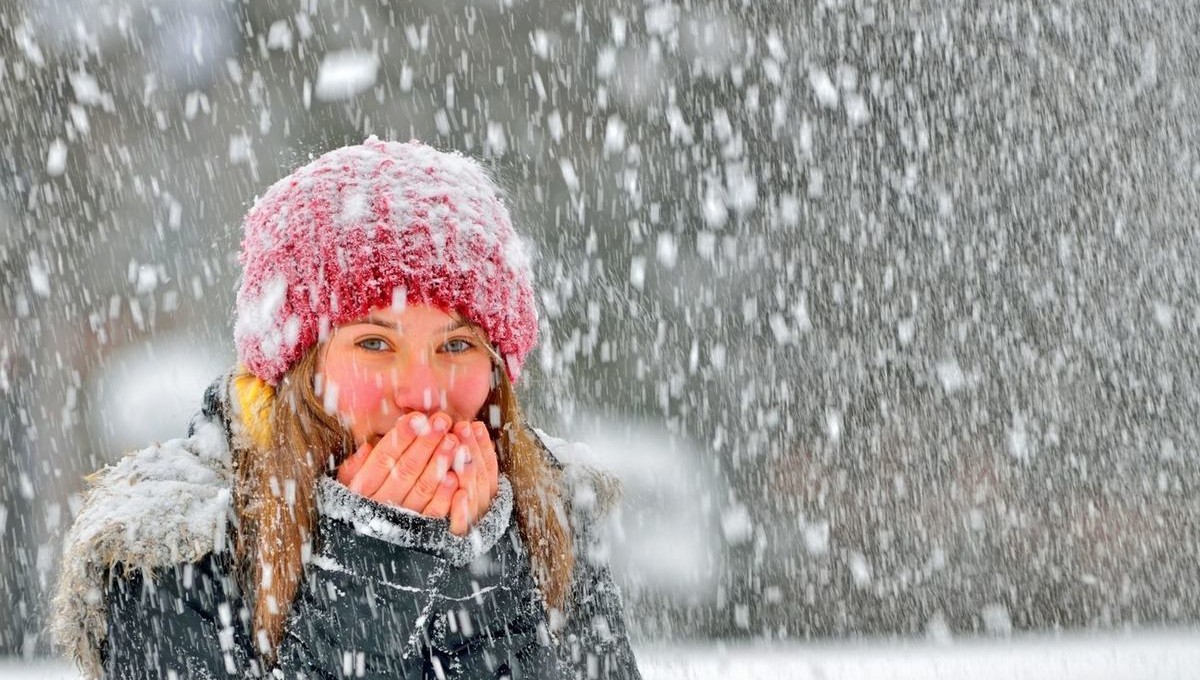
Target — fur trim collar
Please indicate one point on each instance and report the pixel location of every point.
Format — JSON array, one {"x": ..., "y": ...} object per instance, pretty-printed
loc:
[
  {"x": 593, "y": 493},
  {"x": 163, "y": 505}
]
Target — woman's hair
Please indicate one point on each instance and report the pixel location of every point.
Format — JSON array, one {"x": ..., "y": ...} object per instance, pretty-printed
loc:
[{"x": 292, "y": 441}]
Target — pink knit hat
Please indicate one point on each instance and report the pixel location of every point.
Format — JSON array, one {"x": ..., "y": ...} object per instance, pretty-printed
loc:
[{"x": 372, "y": 225}]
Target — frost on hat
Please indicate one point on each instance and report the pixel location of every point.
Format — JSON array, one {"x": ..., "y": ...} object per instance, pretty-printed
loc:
[{"x": 365, "y": 226}]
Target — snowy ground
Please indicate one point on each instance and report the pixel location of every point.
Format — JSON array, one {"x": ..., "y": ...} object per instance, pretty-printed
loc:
[{"x": 1166, "y": 655}]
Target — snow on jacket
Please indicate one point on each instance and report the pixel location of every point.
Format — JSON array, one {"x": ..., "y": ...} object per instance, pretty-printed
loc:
[{"x": 147, "y": 587}]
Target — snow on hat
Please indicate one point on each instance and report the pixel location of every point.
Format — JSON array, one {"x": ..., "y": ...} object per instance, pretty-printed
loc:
[{"x": 371, "y": 225}]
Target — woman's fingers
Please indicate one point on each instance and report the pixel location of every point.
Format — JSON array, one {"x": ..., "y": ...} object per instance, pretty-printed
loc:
[
  {"x": 460, "y": 513},
  {"x": 421, "y": 492},
  {"x": 479, "y": 498},
  {"x": 480, "y": 488},
  {"x": 486, "y": 467},
  {"x": 386, "y": 453},
  {"x": 468, "y": 452},
  {"x": 439, "y": 507},
  {"x": 491, "y": 464},
  {"x": 431, "y": 466},
  {"x": 475, "y": 499},
  {"x": 411, "y": 439},
  {"x": 351, "y": 466},
  {"x": 413, "y": 462}
]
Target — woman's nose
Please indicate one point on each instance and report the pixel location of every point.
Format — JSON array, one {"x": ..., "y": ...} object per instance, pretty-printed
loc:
[{"x": 418, "y": 386}]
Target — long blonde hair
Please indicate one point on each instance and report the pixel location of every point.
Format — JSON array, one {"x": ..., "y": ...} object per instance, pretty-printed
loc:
[{"x": 291, "y": 441}]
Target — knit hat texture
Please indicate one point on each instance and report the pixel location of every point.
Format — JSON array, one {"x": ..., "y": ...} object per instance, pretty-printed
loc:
[{"x": 372, "y": 225}]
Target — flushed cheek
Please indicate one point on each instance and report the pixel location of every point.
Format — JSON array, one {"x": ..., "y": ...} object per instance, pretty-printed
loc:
[
  {"x": 358, "y": 397},
  {"x": 467, "y": 393}
]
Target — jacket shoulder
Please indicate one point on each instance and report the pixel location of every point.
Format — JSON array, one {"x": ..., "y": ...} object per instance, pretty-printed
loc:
[
  {"x": 593, "y": 491},
  {"x": 158, "y": 507},
  {"x": 161, "y": 505}
]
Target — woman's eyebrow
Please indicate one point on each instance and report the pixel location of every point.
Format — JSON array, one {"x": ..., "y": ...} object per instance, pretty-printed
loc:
[
  {"x": 454, "y": 325},
  {"x": 379, "y": 322}
]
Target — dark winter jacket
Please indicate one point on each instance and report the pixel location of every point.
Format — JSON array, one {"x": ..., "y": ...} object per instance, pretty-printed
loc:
[{"x": 147, "y": 587}]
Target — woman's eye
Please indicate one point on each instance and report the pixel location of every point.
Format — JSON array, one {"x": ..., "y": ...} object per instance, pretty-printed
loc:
[
  {"x": 457, "y": 345},
  {"x": 373, "y": 344}
]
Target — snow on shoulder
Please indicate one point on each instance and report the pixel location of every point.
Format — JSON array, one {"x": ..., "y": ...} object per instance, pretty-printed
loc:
[
  {"x": 594, "y": 491},
  {"x": 162, "y": 505}
]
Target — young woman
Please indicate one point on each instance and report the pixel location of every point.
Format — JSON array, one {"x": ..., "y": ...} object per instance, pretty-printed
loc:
[{"x": 360, "y": 496}]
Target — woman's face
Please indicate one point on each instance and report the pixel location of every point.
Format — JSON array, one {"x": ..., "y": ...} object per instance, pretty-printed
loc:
[{"x": 375, "y": 369}]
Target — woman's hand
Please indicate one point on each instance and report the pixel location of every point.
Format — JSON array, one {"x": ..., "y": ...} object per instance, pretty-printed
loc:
[
  {"x": 478, "y": 474},
  {"x": 421, "y": 466},
  {"x": 407, "y": 466}
]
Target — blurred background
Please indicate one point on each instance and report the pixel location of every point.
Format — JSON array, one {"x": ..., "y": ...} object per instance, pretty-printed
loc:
[{"x": 887, "y": 313}]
